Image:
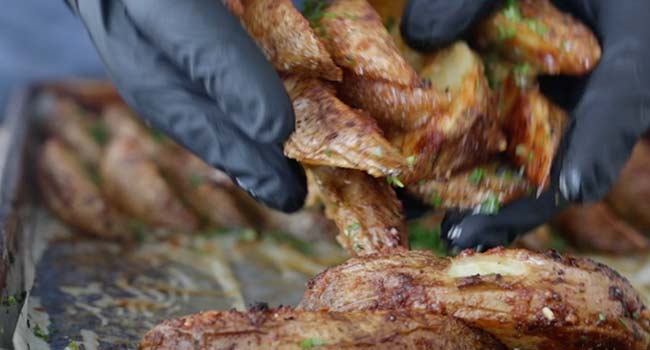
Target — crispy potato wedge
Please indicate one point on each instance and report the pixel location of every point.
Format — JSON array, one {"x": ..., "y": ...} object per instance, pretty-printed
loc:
[
  {"x": 80, "y": 132},
  {"x": 70, "y": 192},
  {"x": 526, "y": 300},
  {"x": 122, "y": 122},
  {"x": 328, "y": 132},
  {"x": 286, "y": 329},
  {"x": 287, "y": 39},
  {"x": 595, "y": 227},
  {"x": 131, "y": 179},
  {"x": 535, "y": 127},
  {"x": 630, "y": 193},
  {"x": 206, "y": 190},
  {"x": 535, "y": 31},
  {"x": 484, "y": 187},
  {"x": 366, "y": 210},
  {"x": 355, "y": 36}
]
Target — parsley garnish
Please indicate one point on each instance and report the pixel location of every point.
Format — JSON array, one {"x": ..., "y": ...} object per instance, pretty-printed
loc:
[
  {"x": 311, "y": 342},
  {"x": 537, "y": 27},
  {"x": 314, "y": 11},
  {"x": 506, "y": 33},
  {"x": 477, "y": 176},
  {"x": 196, "y": 180},
  {"x": 352, "y": 229},
  {"x": 73, "y": 345},
  {"x": 40, "y": 333},
  {"x": 490, "y": 205},
  {"x": 522, "y": 74},
  {"x": 410, "y": 160},
  {"x": 422, "y": 238},
  {"x": 99, "y": 132},
  {"x": 394, "y": 181},
  {"x": 436, "y": 200}
]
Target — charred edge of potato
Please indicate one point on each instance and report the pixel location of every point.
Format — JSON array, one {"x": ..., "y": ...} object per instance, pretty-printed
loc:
[
  {"x": 356, "y": 38},
  {"x": 287, "y": 329},
  {"x": 70, "y": 192},
  {"x": 286, "y": 38},
  {"x": 366, "y": 210},
  {"x": 535, "y": 127},
  {"x": 484, "y": 187},
  {"x": 132, "y": 180},
  {"x": 328, "y": 132},
  {"x": 525, "y": 299},
  {"x": 535, "y": 31},
  {"x": 596, "y": 227}
]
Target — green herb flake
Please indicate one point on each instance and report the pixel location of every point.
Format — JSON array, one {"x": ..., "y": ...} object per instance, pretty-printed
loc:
[
  {"x": 314, "y": 11},
  {"x": 490, "y": 205},
  {"x": 157, "y": 135},
  {"x": 410, "y": 160},
  {"x": 137, "y": 228},
  {"x": 357, "y": 246},
  {"x": 350, "y": 16},
  {"x": 636, "y": 315},
  {"x": 248, "y": 235},
  {"x": 9, "y": 301},
  {"x": 558, "y": 243},
  {"x": 477, "y": 176},
  {"x": 436, "y": 200},
  {"x": 311, "y": 343},
  {"x": 196, "y": 180},
  {"x": 73, "y": 345},
  {"x": 99, "y": 132},
  {"x": 394, "y": 181},
  {"x": 601, "y": 317},
  {"x": 623, "y": 323},
  {"x": 328, "y": 152},
  {"x": 537, "y": 27},
  {"x": 40, "y": 333},
  {"x": 423, "y": 238},
  {"x": 511, "y": 12},
  {"x": 390, "y": 23},
  {"x": 292, "y": 241},
  {"x": 378, "y": 151},
  {"x": 522, "y": 73},
  {"x": 506, "y": 33},
  {"x": 352, "y": 229},
  {"x": 329, "y": 15}
]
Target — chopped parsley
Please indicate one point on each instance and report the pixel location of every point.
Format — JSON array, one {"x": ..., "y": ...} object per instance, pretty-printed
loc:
[
  {"x": 41, "y": 333},
  {"x": 314, "y": 11},
  {"x": 73, "y": 345},
  {"x": 522, "y": 73},
  {"x": 410, "y": 160},
  {"x": 311, "y": 343},
  {"x": 196, "y": 180},
  {"x": 138, "y": 229},
  {"x": 157, "y": 135},
  {"x": 636, "y": 315},
  {"x": 423, "y": 238},
  {"x": 328, "y": 153},
  {"x": 9, "y": 301},
  {"x": 352, "y": 229},
  {"x": 558, "y": 243},
  {"x": 601, "y": 317},
  {"x": 537, "y": 27},
  {"x": 477, "y": 176},
  {"x": 506, "y": 33},
  {"x": 395, "y": 181},
  {"x": 490, "y": 205},
  {"x": 436, "y": 200},
  {"x": 511, "y": 11},
  {"x": 99, "y": 132}
]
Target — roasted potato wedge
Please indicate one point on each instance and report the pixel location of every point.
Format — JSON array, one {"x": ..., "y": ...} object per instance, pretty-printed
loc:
[
  {"x": 286, "y": 329},
  {"x": 526, "y": 300},
  {"x": 355, "y": 36},
  {"x": 536, "y": 32},
  {"x": 69, "y": 190},
  {"x": 535, "y": 127},
  {"x": 77, "y": 129},
  {"x": 131, "y": 179},
  {"x": 366, "y": 210},
  {"x": 328, "y": 132},
  {"x": 287, "y": 39},
  {"x": 629, "y": 195},
  {"x": 485, "y": 187},
  {"x": 595, "y": 227}
]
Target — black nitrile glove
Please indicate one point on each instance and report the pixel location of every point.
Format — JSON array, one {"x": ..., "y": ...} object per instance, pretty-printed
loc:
[
  {"x": 610, "y": 109},
  {"x": 190, "y": 69}
]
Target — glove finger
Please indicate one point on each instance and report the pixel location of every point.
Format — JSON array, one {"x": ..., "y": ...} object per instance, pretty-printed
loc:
[
  {"x": 429, "y": 24},
  {"x": 466, "y": 230},
  {"x": 163, "y": 96},
  {"x": 212, "y": 48}
]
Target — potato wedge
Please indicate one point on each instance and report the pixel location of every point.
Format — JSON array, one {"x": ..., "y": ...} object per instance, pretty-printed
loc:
[
  {"x": 527, "y": 300},
  {"x": 328, "y": 132},
  {"x": 287, "y": 329},
  {"x": 70, "y": 192},
  {"x": 536, "y": 32},
  {"x": 366, "y": 210}
]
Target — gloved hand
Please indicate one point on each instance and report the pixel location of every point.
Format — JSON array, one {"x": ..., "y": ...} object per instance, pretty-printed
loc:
[
  {"x": 190, "y": 69},
  {"x": 610, "y": 109}
]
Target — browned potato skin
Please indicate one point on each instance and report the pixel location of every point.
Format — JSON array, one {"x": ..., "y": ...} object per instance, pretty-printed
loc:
[
  {"x": 122, "y": 122},
  {"x": 69, "y": 123},
  {"x": 459, "y": 192},
  {"x": 568, "y": 46},
  {"x": 207, "y": 190},
  {"x": 588, "y": 305},
  {"x": 287, "y": 329},
  {"x": 630, "y": 195},
  {"x": 328, "y": 132},
  {"x": 132, "y": 180},
  {"x": 287, "y": 39},
  {"x": 535, "y": 127},
  {"x": 87, "y": 92},
  {"x": 366, "y": 210},
  {"x": 70, "y": 193},
  {"x": 595, "y": 227},
  {"x": 356, "y": 38}
]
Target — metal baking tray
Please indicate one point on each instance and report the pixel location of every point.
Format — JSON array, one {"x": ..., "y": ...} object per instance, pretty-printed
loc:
[{"x": 61, "y": 290}]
